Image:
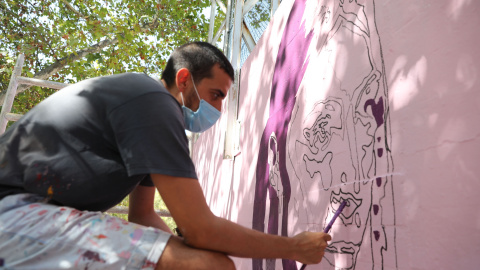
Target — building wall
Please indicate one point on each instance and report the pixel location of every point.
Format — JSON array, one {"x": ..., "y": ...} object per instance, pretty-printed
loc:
[{"x": 375, "y": 103}]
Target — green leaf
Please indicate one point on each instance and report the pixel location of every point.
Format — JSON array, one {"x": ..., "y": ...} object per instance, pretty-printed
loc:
[{"x": 129, "y": 37}]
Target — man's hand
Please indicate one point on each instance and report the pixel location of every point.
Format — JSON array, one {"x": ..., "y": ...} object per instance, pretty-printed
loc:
[
  {"x": 203, "y": 230},
  {"x": 311, "y": 246}
]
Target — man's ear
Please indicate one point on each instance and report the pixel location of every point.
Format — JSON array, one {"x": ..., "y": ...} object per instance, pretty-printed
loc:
[{"x": 182, "y": 79}]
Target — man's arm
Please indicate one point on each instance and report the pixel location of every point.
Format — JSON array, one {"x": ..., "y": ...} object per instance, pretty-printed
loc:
[
  {"x": 201, "y": 229},
  {"x": 141, "y": 208}
]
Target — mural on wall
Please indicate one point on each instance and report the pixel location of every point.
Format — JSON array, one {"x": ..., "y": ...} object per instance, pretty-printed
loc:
[
  {"x": 289, "y": 70},
  {"x": 327, "y": 137}
]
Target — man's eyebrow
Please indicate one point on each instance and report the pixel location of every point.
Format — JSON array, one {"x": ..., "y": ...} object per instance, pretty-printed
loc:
[{"x": 219, "y": 92}]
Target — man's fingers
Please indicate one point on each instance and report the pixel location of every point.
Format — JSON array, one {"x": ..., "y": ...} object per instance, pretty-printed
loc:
[{"x": 327, "y": 237}]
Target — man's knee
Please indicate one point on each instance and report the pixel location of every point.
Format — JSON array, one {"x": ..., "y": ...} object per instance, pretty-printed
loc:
[
  {"x": 179, "y": 256},
  {"x": 211, "y": 260}
]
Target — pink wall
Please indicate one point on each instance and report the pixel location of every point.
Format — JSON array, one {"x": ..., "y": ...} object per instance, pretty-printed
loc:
[{"x": 373, "y": 102}]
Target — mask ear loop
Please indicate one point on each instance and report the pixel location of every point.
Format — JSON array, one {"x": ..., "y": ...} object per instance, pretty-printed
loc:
[
  {"x": 181, "y": 95},
  {"x": 194, "y": 87}
]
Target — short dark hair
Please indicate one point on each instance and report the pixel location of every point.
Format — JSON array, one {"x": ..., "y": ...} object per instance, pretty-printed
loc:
[{"x": 199, "y": 58}]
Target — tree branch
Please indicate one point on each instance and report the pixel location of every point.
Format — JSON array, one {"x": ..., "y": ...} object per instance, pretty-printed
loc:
[
  {"x": 7, "y": 9},
  {"x": 70, "y": 7},
  {"x": 62, "y": 62}
]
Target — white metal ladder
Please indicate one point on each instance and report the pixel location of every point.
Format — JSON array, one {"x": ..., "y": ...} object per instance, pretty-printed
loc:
[{"x": 16, "y": 80}]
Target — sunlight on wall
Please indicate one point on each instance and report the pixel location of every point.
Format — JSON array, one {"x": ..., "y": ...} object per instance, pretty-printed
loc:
[
  {"x": 454, "y": 10},
  {"x": 467, "y": 73},
  {"x": 406, "y": 83}
]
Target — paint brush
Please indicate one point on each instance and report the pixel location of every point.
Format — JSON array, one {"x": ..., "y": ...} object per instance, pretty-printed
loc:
[
  {"x": 339, "y": 210},
  {"x": 329, "y": 226}
]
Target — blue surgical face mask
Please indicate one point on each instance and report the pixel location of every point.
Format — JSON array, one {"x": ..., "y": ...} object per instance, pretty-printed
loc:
[{"x": 203, "y": 118}]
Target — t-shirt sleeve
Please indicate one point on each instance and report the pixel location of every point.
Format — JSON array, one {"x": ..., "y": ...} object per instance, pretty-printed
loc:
[{"x": 150, "y": 134}]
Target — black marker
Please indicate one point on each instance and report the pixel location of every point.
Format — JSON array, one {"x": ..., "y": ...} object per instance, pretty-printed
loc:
[{"x": 329, "y": 226}]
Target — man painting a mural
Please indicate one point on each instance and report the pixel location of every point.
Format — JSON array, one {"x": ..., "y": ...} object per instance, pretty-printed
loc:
[
  {"x": 332, "y": 135},
  {"x": 86, "y": 147}
]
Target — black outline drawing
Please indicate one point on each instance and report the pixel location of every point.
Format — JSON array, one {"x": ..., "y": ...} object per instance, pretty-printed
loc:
[
  {"x": 342, "y": 138},
  {"x": 341, "y": 146}
]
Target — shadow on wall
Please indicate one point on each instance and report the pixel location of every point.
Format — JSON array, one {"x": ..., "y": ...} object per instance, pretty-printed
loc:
[
  {"x": 432, "y": 64},
  {"x": 216, "y": 174},
  {"x": 325, "y": 140},
  {"x": 381, "y": 83},
  {"x": 208, "y": 157}
]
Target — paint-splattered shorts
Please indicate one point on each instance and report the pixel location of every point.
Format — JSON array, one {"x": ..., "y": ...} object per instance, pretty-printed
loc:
[{"x": 35, "y": 235}]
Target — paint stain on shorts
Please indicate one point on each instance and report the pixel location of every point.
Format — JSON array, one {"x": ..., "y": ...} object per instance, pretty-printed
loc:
[
  {"x": 149, "y": 264},
  {"x": 93, "y": 256},
  {"x": 125, "y": 254},
  {"x": 136, "y": 235},
  {"x": 100, "y": 236}
]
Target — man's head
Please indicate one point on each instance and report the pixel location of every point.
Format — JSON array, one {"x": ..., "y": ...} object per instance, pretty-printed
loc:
[
  {"x": 202, "y": 64},
  {"x": 198, "y": 75},
  {"x": 199, "y": 58}
]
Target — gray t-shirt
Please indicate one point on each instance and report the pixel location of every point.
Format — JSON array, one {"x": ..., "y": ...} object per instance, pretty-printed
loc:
[{"x": 90, "y": 144}]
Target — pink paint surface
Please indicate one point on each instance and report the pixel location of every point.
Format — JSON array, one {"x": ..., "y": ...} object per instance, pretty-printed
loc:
[{"x": 385, "y": 116}]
